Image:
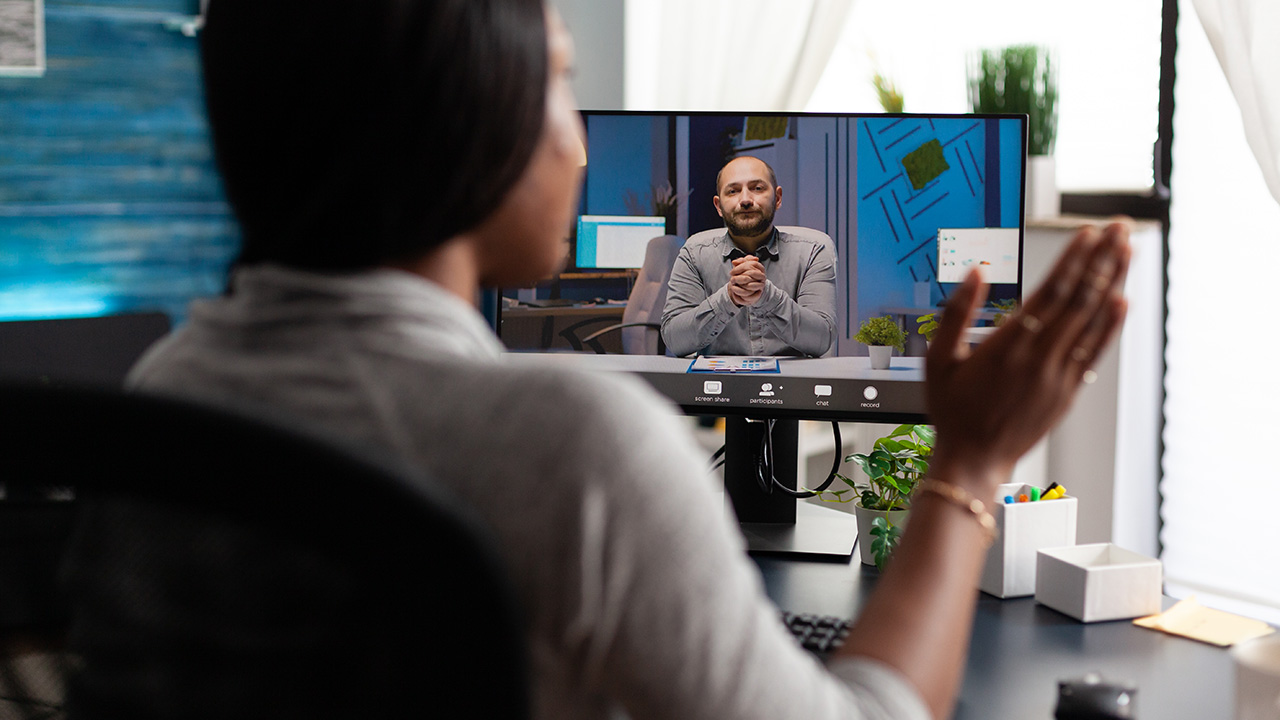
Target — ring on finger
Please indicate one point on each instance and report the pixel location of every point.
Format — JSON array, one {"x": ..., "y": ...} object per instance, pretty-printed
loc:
[{"x": 1031, "y": 323}]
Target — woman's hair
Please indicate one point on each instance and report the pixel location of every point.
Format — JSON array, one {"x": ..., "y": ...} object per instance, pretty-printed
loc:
[{"x": 354, "y": 133}]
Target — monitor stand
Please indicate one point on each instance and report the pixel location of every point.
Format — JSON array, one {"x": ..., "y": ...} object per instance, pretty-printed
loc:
[{"x": 774, "y": 522}]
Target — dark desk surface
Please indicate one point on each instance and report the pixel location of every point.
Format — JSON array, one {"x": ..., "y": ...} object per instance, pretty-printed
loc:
[{"x": 1020, "y": 650}]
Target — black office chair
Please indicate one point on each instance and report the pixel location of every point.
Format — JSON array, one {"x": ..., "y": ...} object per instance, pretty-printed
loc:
[{"x": 225, "y": 567}]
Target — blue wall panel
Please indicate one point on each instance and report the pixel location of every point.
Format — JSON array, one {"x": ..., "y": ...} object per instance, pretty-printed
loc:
[
  {"x": 109, "y": 200},
  {"x": 620, "y": 159}
]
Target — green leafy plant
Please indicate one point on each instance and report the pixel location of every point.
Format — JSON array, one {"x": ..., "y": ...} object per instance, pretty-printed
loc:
[
  {"x": 1003, "y": 308},
  {"x": 888, "y": 94},
  {"x": 928, "y": 326},
  {"x": 1018, "y": 79},
  {"x": 894, "y": 468},
  {"x": 881, "y": 331},
  {"x": 886, "y": 536}
]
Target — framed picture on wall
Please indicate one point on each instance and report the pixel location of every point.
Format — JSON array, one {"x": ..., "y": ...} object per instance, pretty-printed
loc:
[{"x": 21, "y": 37}]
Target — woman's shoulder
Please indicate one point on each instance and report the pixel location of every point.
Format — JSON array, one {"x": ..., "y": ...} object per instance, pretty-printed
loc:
[{"x": 570, "y": 394}]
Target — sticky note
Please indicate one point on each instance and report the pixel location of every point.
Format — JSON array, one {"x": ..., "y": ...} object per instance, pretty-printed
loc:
[{"x": 1189, "y": 618}]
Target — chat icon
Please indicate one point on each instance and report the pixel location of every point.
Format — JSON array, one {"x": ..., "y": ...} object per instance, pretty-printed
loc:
[{"x": 822, "y": 390}]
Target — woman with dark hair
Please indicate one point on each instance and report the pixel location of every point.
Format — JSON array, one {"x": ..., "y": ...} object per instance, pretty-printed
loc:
[
  {"x": 387, "y": 158},
  {"x": 353, "y": 136}
]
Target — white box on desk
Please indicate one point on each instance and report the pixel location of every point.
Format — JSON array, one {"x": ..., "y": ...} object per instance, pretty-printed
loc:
[
  {"x": 1024, "y": 528},
  {"x": 1092, "y": 583}
]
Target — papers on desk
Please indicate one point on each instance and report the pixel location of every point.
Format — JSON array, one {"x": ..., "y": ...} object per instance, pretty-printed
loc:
[
  {"x": 734, "y": 364},
  {"x": 1189, "y": 618}
]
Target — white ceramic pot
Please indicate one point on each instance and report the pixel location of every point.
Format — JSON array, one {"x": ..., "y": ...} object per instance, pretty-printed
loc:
[
  {"x": 865, "y": 517},
  {"x": 1043, "y": 199},
  {"x": 880, "y": 355}
]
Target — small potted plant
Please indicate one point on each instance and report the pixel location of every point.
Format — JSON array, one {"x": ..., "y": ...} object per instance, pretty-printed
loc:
[
  {"x": 1003, "y": 309},
  {"x": 894, "y": 467},
  {"x": 1023, "y": 79},
  {"x": 881, "y": 335},
  {"x": 928, "y": 326}
]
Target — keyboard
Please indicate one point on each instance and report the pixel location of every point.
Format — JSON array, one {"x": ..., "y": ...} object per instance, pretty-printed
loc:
[{"x": 819, "y": 634}]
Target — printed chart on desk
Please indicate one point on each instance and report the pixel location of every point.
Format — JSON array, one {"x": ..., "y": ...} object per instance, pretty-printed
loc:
[{"x": 734, "y": 364}]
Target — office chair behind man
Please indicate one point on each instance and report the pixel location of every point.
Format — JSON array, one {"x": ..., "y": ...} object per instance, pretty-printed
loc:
[
  {"x": 641, "y": 325},
  {"x": 223, "y": 567}
]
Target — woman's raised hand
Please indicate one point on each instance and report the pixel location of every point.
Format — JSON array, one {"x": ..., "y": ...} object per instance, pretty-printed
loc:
[{"x": 993, "y": 404}]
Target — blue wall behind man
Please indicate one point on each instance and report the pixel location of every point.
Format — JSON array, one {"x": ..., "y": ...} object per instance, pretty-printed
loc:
[
  {"x": 109, "y": 200},
  {"x": 620, "y": 160}
]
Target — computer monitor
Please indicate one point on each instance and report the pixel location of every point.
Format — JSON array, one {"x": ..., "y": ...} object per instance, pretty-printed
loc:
[
  {"x": 909, "y": 202},
  {"x": 614, "y": 241}
]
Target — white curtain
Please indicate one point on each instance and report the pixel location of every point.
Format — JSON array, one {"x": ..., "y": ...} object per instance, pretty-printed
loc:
[
  {"x": 1221, "y": 483},
  {"x": 1245, "y": 35},
  {"x": 751, "y": 55}
]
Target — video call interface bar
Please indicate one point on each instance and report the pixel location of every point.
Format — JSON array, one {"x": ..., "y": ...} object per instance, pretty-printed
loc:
[{"x": 774, "y": 395}]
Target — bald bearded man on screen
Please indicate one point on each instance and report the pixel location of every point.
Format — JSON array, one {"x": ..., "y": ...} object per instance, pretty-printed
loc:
[{"x": 755, "y": 290}]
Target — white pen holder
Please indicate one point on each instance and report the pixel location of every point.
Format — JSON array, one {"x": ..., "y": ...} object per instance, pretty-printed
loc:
[{"x": 1023, "y": 529}]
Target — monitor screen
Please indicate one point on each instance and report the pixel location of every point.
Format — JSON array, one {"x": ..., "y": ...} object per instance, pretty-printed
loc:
[
  {"x": 614, "y": 241},
  {"x": 888, "y": 212}
]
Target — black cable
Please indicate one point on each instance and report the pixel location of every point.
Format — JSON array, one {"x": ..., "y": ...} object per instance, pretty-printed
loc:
[
  {"x": 765, "y": 476},
  {"x": 835, "y": 461},
  {"x": 764, "y": 461},
  {"x": 764, "y": 466}
]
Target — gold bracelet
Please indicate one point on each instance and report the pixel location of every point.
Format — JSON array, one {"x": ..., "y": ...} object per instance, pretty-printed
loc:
[{"x": 962, "y": 498}]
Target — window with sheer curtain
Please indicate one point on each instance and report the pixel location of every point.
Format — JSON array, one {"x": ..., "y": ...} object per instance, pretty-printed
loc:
[
  {"x": 1109, "y": 68},
  {"x": 820, "y": 55},
  {"x": 748, "y": 55},
  {"x": 1221, "y": 486}
]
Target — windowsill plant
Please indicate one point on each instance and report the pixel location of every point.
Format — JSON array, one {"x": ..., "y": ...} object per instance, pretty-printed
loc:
[{"x": 1023, "y": 79}]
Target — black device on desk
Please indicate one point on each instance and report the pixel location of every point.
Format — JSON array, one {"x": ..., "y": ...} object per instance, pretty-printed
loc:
[
  {"x": 77, "y": 350},
  {"x": 819, "y": 634},
  {"x": 906, "y": 200}
]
